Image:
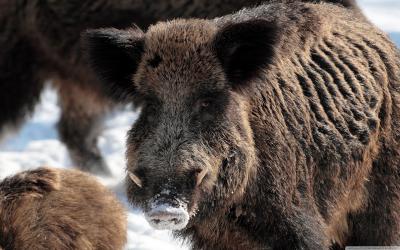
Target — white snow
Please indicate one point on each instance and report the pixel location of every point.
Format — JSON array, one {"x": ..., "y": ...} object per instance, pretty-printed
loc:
[
  {"x": 37, "y": 142},
  {"x": 384, "y": 13}
]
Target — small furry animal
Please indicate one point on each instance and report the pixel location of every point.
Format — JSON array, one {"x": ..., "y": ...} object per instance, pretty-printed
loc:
[{"x": 50, "y": 208}]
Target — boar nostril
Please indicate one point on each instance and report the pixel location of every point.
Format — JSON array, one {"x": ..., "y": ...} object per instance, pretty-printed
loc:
[
  {"x": 135, "y": 179},
  {"x": 200, "y": 176}
]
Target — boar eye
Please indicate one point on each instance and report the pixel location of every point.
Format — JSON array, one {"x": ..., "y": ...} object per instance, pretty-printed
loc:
[
  {"x": 209, "y": 106},
  {"x": 204, "y": 109},
  {"x": 205, "y": 104}
]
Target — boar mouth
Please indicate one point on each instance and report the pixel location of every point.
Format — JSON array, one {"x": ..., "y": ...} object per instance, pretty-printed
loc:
[
  {"x": 167, "y": 217},
  {"x": 166, "y": 212}
]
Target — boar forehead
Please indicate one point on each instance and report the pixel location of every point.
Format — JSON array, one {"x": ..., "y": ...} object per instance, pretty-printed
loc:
[{"x": 178, "y": 59}]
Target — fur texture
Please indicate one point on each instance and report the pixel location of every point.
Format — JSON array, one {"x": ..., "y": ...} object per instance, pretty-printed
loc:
[
  {"x": 291, "y": 108},
  {"x": 39, "y": 41},
  {"x": 59, "y": 209}
]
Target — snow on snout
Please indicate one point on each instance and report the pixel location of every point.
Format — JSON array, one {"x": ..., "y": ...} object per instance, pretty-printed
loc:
[{"x": 167, "y": 216}]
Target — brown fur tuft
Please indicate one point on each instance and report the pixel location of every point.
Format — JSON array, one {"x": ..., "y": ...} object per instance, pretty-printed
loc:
[
  {"x": 59, "y": 209},
  {"x": 35, "y": 183}
]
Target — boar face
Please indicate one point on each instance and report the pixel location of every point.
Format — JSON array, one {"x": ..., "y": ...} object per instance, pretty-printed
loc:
[{"x": 192, "y": 146}]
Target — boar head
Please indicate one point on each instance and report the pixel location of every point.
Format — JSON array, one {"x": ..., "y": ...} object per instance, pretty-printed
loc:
[{"x": 192, "y": 149}]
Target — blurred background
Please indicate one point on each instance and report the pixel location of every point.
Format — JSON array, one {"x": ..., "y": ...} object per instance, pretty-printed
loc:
[{"x": 37, "y": 143}]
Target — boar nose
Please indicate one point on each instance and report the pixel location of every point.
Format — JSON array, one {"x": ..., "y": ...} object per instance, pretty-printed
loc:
[{"x": 167, "y": 216}]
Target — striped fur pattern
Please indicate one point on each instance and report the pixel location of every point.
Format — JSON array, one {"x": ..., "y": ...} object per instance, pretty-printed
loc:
[{"x": 334, "y": 91}]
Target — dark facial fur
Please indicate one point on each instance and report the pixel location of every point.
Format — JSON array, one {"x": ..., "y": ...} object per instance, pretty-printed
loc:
[{"x": 190, "y": 123}]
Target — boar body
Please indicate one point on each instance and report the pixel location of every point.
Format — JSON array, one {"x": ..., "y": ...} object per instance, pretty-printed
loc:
[{"x": 274, "y": 127}]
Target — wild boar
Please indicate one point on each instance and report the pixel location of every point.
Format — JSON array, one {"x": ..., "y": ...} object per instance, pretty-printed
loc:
[{"x": 276, "y": 127}]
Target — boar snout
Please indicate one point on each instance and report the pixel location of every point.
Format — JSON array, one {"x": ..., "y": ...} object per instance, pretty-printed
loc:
[{"x": 165, "y": 215}]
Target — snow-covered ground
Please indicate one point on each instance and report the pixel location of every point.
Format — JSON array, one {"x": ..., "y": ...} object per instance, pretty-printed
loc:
[{"x": 37, "y": 142}]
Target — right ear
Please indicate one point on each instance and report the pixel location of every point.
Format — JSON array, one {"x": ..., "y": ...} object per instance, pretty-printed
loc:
[
  {"x": 115, "y": 56},
  {"x": 246, "y": 48}
]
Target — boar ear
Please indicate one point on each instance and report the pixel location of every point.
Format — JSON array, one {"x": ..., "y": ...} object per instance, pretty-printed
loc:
[
  {"x": 115, "y": 55},
  {"x": 245, "y": 48}
]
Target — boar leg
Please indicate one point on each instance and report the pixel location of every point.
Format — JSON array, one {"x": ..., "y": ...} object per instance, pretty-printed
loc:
[
  {"x": 80, "y": 125},
  {"x": 20, "y": 83},
  {"x": 301, "y": 230},
  {"x": 379, "y": 223}
]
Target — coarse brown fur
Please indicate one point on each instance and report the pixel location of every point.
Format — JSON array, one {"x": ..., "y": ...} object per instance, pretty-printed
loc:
[
  {"x": 39, "y": 41},
  {"x": 59, "y": 209},
  {"x": 293, "y": 109}
]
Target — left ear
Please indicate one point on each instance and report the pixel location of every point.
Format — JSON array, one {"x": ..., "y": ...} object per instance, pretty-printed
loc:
[
  {"x": 246, "y": 48},
  {"x": 115, "y": 56}
]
